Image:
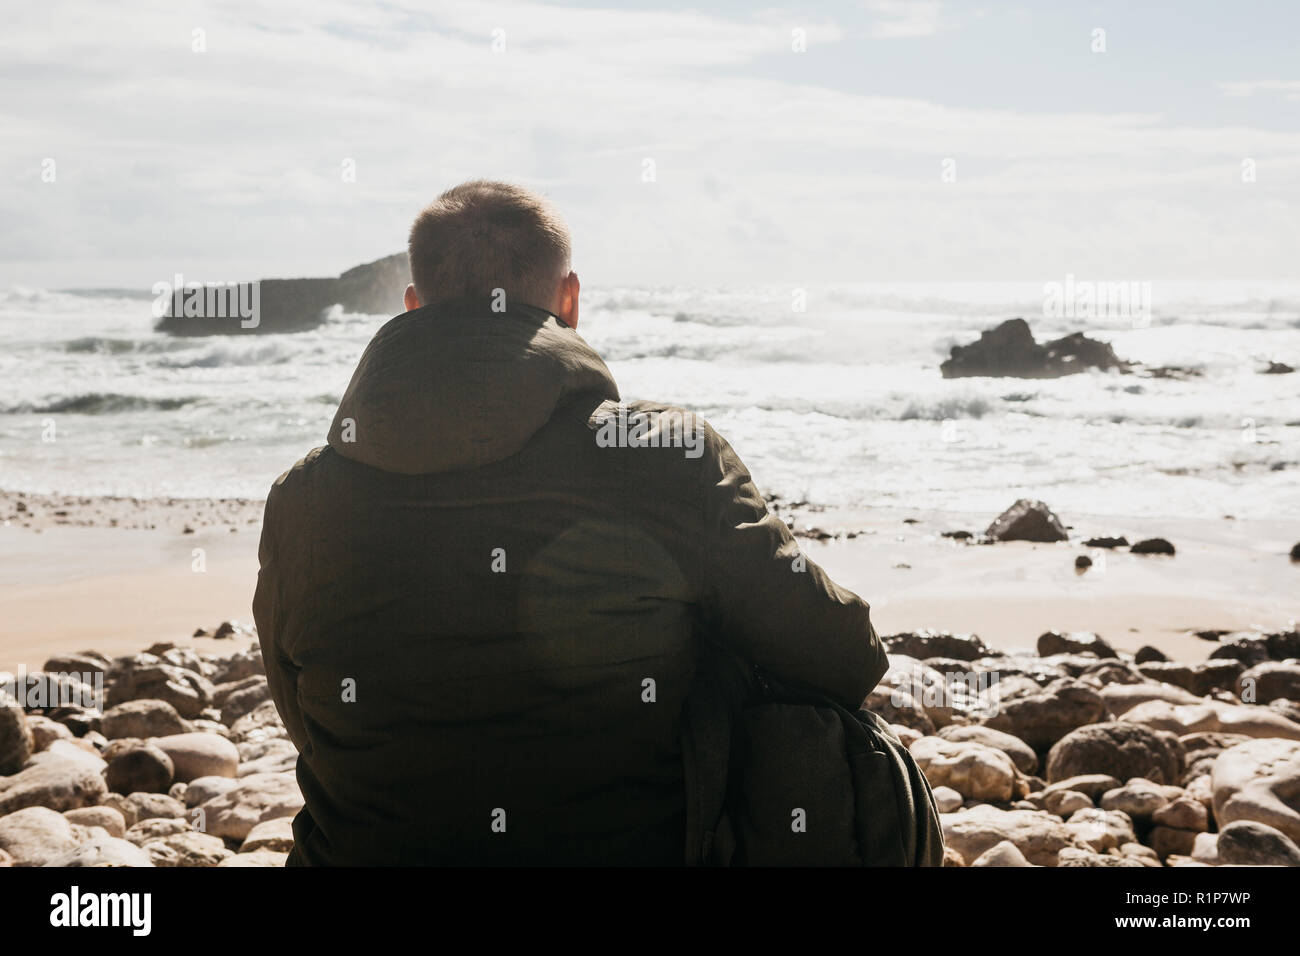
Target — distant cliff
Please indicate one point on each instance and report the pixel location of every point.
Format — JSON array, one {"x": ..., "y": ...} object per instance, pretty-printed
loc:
[{"x": 295, "y": 305}]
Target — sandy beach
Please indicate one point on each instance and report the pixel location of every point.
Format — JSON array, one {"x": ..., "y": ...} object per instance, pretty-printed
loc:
[{"x": 118, "y": 574}]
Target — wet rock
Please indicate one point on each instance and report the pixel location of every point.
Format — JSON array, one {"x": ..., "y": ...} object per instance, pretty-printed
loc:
[
  {"x": 1009, "y": 350},
  {"x": 1152, "y": 546},
  {"x": 142, "y": 718},
  {"x": 1120, "y": 749},
  {"x": 1078, "y": 642},
  {"x": 1026, "y": 520},
  {"x": 1247, "y": 843}
]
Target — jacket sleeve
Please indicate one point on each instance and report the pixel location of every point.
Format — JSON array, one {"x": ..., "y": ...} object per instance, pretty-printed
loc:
[
  {"x": 269, "y": 615},
  {"x": 769, "y": 603}
]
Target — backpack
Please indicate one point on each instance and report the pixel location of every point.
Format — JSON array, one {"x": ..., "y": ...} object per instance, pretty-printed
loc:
[{"x": 777, "y": 775}]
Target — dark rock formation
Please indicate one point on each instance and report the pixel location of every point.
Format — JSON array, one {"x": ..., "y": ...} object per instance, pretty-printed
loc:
[
  {"x": 1010, "y": 351},
  {"x": 1027, "y": 520},
  {"x": 1152, "y": 546},
  {"x": 1107, "y": 541},
  {"x": 1278, "y": 368},
  {"x": 296, "y": 305}
]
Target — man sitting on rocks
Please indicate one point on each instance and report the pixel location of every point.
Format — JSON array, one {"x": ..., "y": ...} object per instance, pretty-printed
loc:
[{"x": 480, "y": 603}]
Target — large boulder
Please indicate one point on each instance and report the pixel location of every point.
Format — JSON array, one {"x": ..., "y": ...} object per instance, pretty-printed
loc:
[
  {"x": 1021, "y": 754},
  {"x": 199, "y": 755},
  {"x": 1009, "y": 350},
  {"x": 1043, "y": 718},
  {"x": 258, "y": 798},
  {"x": 16, "y": 741},
  {"x": 140, "y": 768},
  {"x": 1269, "y": 681},
  {"x": 1247, "y": 843},
  {"x": 34, "y": 835},
  {"x": 54, "y": 781},
  {"x": 1122, "y": 750},
  {"x": 975, "y": 771},
  {"x": 1039, "y": 836},
  {"x": 1027, "y": 520},
  {"x": 1259, "y": 781},
  {"x": 1213, "y": 717},
  {"x": 142, "y": 718}
]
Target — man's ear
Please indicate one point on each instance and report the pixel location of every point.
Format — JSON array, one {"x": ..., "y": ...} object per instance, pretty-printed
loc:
[
  {"x": 410, "y": 299},
  {"x": 568, "y": 300}
]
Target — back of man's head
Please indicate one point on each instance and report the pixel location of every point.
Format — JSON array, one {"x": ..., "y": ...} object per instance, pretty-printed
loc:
[{"x": 482, "y": 236}]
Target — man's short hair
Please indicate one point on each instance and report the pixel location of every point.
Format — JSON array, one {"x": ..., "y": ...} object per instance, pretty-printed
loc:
[{"x": 482, "y": 236}]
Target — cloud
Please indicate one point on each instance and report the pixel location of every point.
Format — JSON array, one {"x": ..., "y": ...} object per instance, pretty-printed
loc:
[
  {"x": 906, "y": 18},
  {"x": 1288, "y": 89}
]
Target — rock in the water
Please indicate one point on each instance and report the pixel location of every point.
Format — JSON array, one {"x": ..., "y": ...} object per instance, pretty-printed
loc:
[
  {"x": 1121, "y": 749},
  {"x": 1079, "y": 642},
  {"x": 142, "y": 718},
  {"x": 54, "y": 781},
  {"x": 108, "y": 818},
  {"x": 35, "y": 835},
  {"x": 100, "y": 849},
  {"x": 973, "y": 770},
  {"x": 1269, "y": 681},
  {"x": 141, "y": 768},
  {"x": 1259, "y": 781},
  {"x": 261, "y": 797},
  {"x": 1005, "y": 853},
  {"x": 1021, "y": 754},
  {"x": 1152, "y": 546},
  {"x": 1247, "y": 843},
  {"x": 1042, "y": 719},
  {"x": 1107, "y": 542},
  {"x": 16, "y": 742},
  {"x": 1147, "y": 654},
  {"x": 200, "y": 755},
  {"x": 295, "y": 305},
  {"x": 275, "y": 835},
  {"x": 1295, "y": 551},
  {"x": 1039, "y": 836},
  {"x": 1027, "y": 520},
  {"x": 1010, "y": 351}
]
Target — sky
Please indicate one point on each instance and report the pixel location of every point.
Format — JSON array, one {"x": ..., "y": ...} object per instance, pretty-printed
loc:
[{"x": 708, "y": 144}]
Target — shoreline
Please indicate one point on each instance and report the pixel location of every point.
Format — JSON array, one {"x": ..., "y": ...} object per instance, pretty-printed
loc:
[{"x": 115, "y": 574}]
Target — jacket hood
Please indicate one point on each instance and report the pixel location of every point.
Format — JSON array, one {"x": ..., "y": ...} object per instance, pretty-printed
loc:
[{"x": 443, "y": 388}]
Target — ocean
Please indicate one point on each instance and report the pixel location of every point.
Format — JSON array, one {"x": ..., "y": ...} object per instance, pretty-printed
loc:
[{"x": 839, "y": 402}]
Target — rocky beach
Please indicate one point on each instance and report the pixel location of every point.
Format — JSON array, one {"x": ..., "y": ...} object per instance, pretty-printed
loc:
[{"x": 1160, "y": 746}]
